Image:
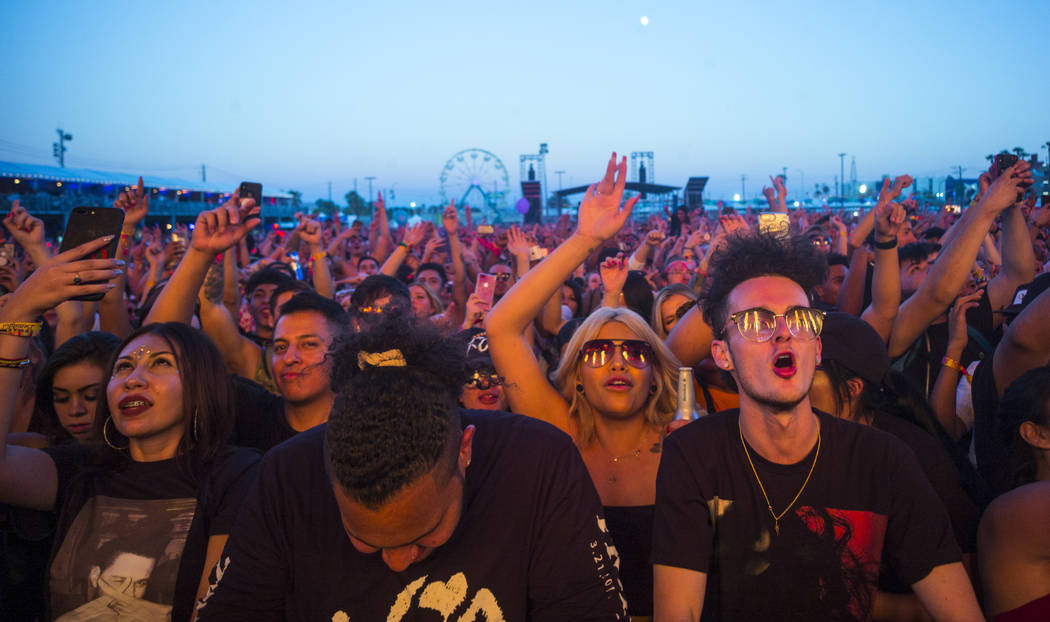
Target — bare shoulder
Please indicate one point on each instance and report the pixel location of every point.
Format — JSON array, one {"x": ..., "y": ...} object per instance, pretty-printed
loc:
[{"x": 1020, "y": 513}]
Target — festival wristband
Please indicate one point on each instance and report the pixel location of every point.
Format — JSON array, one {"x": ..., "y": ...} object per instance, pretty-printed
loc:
[
  {"x": 14, "y": 363},
  {"x": 20, "y": 329},
  {"x": 885, "y": 246},
  {"x": 954, "y": 364}
]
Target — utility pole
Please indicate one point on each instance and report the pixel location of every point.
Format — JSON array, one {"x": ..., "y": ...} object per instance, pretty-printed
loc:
[
  {"x": 204, "y": 175},
  {"x": 743, "y": 195},
  {"x": 329, "y": 191},
  {"x": 369, "y": 179},
  {"x": 842, "y": 177},
  {"x": 560, "y": 173},
  {"x": 784, "y": 173},
  {"x": 59, "y": 149}
]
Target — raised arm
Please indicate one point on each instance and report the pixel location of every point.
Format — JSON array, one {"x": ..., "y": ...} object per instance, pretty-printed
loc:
[
  {"x": 952, "y": 268},
  {"x": 450, "y": 221},
  {"x": 58, "y": 279},
  {"x": 886, "y": 279},
  {"x": 528, "y": 390},
  {"x": 112, "y": 309},
  {"x": 215, "y": 231},
  {"x": 1018, "y": 258},
  {"x": 413, "y": 236},
  {"x": 309, "y": 231},
  {"x": 942, "y": 397},
  {"x": 614, "y": 274}
]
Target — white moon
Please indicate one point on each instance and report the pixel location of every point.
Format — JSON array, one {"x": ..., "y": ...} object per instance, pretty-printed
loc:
[{"x": 645, "y": 21}]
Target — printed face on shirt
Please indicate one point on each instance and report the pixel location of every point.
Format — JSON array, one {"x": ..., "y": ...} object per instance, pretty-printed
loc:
[
  {"x": 300, "y": 363},
  {"x": 127, "y": 576},
  {"x": 616, "y": 389},
  {"x": 415, "y": 521},
  {"x": 776, "y": 373},
  {"x": 145, "y": 391},
  {"x": 75, "y": 392}
]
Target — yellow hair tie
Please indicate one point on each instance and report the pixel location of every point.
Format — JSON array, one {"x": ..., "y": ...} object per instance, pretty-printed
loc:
[{"x": 390, "y": 358}]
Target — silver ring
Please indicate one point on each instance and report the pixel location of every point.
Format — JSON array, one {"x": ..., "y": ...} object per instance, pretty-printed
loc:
[{"x": 76, "y": 279}]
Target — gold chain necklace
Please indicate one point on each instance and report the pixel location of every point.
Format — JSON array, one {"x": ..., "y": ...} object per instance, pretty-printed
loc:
[{"x": 777, "y": 517}]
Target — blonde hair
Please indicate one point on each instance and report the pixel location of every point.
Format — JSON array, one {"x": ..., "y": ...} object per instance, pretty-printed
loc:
[
  {"x": 436, "y": 306},
  {"x": 661, "y": 296},
  {"x": 660, "y": 405}
]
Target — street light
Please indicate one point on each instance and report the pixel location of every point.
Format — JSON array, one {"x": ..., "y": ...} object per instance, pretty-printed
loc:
[{"x": 736, "y": 197}]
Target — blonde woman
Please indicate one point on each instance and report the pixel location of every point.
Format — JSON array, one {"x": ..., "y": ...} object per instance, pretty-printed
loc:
[{"x": 615, "y": 384}]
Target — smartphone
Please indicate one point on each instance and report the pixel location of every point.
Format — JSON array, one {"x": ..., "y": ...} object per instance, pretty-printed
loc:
[
  {"x": 7, "y": 254},
  {"x": 1004, "y": 161},
  {"x": 251, "y": 190},
  {"x": 953, "y": 209},
  {"x": 537, "y": 253},
  {"x": 776, "y": 224},
  {"x": 90, "y": 223},
  {"x": 485, "y": 288},
  {"x": 485, "y": 230}
]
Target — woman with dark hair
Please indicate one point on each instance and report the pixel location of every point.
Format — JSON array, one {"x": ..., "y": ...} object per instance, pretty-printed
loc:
[
  {"x": 159, "y": 471},
  {"x": 70, "y": 386},
  {"x": 854, "y": 381}
]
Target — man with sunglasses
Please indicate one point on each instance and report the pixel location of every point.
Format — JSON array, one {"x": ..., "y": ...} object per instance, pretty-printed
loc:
[{"x": 776, "y": 511}]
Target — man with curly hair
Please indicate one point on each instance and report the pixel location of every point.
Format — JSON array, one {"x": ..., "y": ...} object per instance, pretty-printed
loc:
[{"x": 776, "y": 511}]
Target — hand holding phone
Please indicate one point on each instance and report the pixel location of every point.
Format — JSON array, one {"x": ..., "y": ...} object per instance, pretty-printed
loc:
[
  {"x": 251, "y": 190},
  {"x": 86, "y": 224},
  {"x": 485, "y": 288}
]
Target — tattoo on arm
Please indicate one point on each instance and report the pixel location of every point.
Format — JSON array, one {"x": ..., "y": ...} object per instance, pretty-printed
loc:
[{"x": 213, "y": 284}]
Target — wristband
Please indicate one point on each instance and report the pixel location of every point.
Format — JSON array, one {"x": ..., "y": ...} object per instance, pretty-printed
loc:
[
  {"x": 405, "y": 246},
  {"x": 14, "y": 363},
  {"x": 885, "y": 246},
  {"x": 951, "y": 363},
  {"x": 318, "y": 256},
  {"x": 20, "y": 329}
]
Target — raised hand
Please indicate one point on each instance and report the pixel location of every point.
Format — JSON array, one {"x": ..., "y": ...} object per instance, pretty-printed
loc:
[
  {"x": 219, "y": 229},
  {"x": 25, "y": 228},
  {"x": 476, "y": 310},
  {"x": 654, "y": 238},
  {"x": 888, "y": 220},
  {"x": 135, "y": 203},
  {"x": 889, "y": 193},
  {"x": 309, "y": 231},
  {"x": 733, "y": 223},
  {"x": 380, "y": 204},
  {"x": 614, "y": 273},
  {"x": 62, "y": 277},
  {"x": 450, "y": 219},
  {"x": 957, "y": 334},
  {"x": 1006, "y": 189},
  {"x": 600, "y": 214},
  {"x": 414, "y": 234},
  {"x": 517, "y": 244}
]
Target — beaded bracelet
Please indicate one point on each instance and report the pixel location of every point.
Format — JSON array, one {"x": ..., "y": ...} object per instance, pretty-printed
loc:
[
  {"x": 20, "y": 329},
  {"x": 14, "y": 363}
]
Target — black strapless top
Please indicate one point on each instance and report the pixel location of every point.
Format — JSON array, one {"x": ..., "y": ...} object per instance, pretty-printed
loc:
[{"x": 631, "y": 528}]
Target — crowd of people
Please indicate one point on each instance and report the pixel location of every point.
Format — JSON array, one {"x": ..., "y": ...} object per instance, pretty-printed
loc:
[{"x": 460, "y": 422}]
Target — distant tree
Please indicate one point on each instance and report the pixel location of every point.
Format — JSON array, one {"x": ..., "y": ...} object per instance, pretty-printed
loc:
[
  {"x": 329, "y": 208},
  {"x": 1020, "y": 153},
  {"x": 356, "y": 206},
  {"x": 297, "y": 198}
]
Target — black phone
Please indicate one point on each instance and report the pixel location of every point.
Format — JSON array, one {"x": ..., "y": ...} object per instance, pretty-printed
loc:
[
  {"x": 91, "y": 223},
  {"x": 1004, "y": 161},
  {"x": 250, "y": 189}
]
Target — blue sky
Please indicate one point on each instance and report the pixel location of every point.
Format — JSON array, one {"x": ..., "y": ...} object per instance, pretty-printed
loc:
[{"x": 297, "y": 96}]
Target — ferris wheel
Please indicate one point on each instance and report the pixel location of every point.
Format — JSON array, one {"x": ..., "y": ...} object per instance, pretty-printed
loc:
[{"x": 475, "y": 177}]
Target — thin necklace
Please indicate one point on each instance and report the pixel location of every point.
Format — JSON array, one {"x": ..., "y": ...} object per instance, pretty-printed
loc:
[
  {"x": 777, "y": 517},
  {"x": 637, "y": 453}
]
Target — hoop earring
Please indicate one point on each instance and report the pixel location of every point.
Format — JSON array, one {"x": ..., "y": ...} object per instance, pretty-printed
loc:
[{"x": 105, "y": 435}]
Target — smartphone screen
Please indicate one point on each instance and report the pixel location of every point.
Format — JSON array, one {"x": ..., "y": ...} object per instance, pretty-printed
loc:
[
  {"x": 485, "y": 288},
  {"x": 485, "y": 230},
  {"x": 90, "y": 223},
  {"x": 1004, "y": 161}
]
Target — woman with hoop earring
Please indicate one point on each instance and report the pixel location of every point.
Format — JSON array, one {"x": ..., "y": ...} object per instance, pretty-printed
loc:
[{"x": 142, "y": 513}]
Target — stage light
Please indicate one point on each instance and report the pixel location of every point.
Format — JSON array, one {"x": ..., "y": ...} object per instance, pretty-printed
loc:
[
  {"x": 736, "y": 197},
  {"x": 58, "y": 183},
  {"x": 797, "y": 204},
  {"x": 863, "y": 188},
  {"x": 17, "y": 180},
  {"x": 412, "y": 204}
]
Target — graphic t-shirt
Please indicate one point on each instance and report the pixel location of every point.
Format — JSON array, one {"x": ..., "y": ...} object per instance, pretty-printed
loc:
[
  {"x": 867, "y": 503},
  {"x": 530, "y": 545},
  {"x": 131, "y": 542}
]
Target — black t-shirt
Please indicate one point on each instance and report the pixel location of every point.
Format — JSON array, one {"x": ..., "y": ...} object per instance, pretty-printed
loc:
[
  {"x": 530, "y": 545},
  {"x": 867, "y": 503},
  {"x": 922, "y": 361},
  {"x": 259, "y": 422},
  {"x": 139, "y": 522},
  {"x": 943, "y": 475},
  {"x": 993, "y": 454},
  {"x": 631, "y": 529}
]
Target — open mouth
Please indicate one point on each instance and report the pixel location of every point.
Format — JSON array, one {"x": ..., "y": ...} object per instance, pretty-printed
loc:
[
  {"x": 488, "y": 399},
  {"x": 131, "y": 406},
  {"x": 784, "y": 365},
  {"x": 619, "y": 383}
]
